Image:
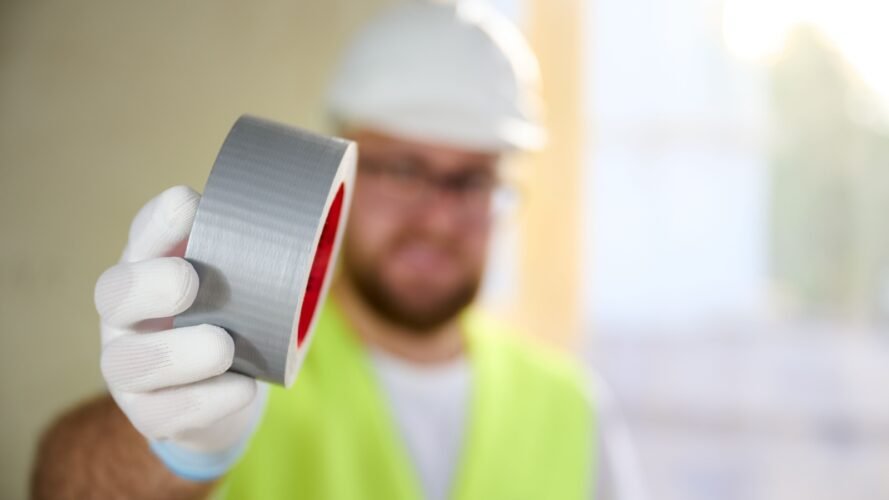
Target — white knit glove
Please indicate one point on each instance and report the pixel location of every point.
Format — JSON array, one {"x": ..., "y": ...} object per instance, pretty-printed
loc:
[{"x": 172, "y": 383}]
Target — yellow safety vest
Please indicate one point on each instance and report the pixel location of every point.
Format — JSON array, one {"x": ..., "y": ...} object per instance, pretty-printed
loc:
[{"x": 331, "y": 436}]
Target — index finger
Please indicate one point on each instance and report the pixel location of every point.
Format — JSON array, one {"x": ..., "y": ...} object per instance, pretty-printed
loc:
[{"x": 162, "y": 225}]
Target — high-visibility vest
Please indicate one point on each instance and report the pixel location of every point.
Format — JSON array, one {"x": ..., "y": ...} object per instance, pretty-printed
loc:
[{"x": 331, "y": 436}]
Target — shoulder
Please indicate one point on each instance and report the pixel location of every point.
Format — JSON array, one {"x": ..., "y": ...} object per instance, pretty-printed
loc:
[{"x": 532, "y": 365}]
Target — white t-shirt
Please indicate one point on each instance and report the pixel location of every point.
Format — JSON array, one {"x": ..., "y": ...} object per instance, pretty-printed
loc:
[{"x": 429, "y": 404}]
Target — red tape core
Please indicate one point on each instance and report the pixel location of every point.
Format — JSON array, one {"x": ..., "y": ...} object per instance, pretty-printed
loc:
[{"x": 319, "y": 266}]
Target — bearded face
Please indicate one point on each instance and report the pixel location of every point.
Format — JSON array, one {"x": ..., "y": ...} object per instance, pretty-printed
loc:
[{"x": 419, "y": 227}]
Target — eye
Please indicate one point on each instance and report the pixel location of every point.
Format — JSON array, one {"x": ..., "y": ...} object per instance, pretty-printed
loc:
[
  {"x": 473, "y": 182},
  {"x": 404, "y": 171}
]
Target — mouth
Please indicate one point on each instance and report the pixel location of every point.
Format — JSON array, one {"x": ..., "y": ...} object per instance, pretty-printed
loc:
[{"x": 422, "y": 258}]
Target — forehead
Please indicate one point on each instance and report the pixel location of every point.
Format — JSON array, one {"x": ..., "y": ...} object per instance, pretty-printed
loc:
[{"x": 379, "y": 145}]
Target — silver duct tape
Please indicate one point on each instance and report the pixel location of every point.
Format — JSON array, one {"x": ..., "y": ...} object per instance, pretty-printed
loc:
[{"x": 264, "y": 238}]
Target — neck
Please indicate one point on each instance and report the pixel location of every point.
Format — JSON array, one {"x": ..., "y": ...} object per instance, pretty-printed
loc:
[{"x": 443, "y": 344}]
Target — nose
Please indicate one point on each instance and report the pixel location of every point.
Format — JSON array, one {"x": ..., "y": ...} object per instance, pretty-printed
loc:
[{"x": 440, "y": 213}]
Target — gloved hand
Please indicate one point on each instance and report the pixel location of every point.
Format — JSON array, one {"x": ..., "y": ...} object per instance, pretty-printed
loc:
[{"x": 172, "y": 383}]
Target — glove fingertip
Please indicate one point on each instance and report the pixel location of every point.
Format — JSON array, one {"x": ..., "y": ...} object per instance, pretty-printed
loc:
[
  {"x": 162, "y": 224},
  {"x": 188, "y": 282}
]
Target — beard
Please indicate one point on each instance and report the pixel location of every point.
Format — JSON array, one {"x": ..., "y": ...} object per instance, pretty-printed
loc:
[{"x": 419, "y": 316}]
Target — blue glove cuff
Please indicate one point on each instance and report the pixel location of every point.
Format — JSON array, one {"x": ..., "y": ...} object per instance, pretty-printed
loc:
[{"x": 197, "y": 466}]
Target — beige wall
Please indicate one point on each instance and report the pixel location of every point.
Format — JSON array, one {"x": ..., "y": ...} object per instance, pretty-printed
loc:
[
  {"x": 103, "y": 104},
  {"x": 548, "y": 303}
]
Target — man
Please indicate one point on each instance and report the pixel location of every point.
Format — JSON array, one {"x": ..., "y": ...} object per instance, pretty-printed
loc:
[{"x": 407, "y": 391}]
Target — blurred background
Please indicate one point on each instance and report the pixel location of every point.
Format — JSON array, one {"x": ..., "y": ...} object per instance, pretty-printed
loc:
[
  {"x": 736, "y": 252},
  {"x": 707, "y": 227}
]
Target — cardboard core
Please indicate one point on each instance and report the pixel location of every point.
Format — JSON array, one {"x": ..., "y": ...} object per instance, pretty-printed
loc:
[{"x": 320, "y": 263}]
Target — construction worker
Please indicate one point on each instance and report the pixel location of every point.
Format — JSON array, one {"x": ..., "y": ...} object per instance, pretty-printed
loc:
[{"x": 408, "y": 392}]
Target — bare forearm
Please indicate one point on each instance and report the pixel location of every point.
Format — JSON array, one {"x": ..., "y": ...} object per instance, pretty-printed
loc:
[{"x": 94, "y": 452}]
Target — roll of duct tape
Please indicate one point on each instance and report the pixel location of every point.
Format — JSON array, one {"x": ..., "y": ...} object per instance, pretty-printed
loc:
[{"x": 264, "y": 238}]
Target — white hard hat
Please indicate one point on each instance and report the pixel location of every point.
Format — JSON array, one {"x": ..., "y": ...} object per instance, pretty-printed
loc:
[{"x": 456, "y": 73}]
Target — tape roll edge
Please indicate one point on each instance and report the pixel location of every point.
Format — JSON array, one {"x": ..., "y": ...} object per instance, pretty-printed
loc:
[{"x": 345, "y": 177}]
